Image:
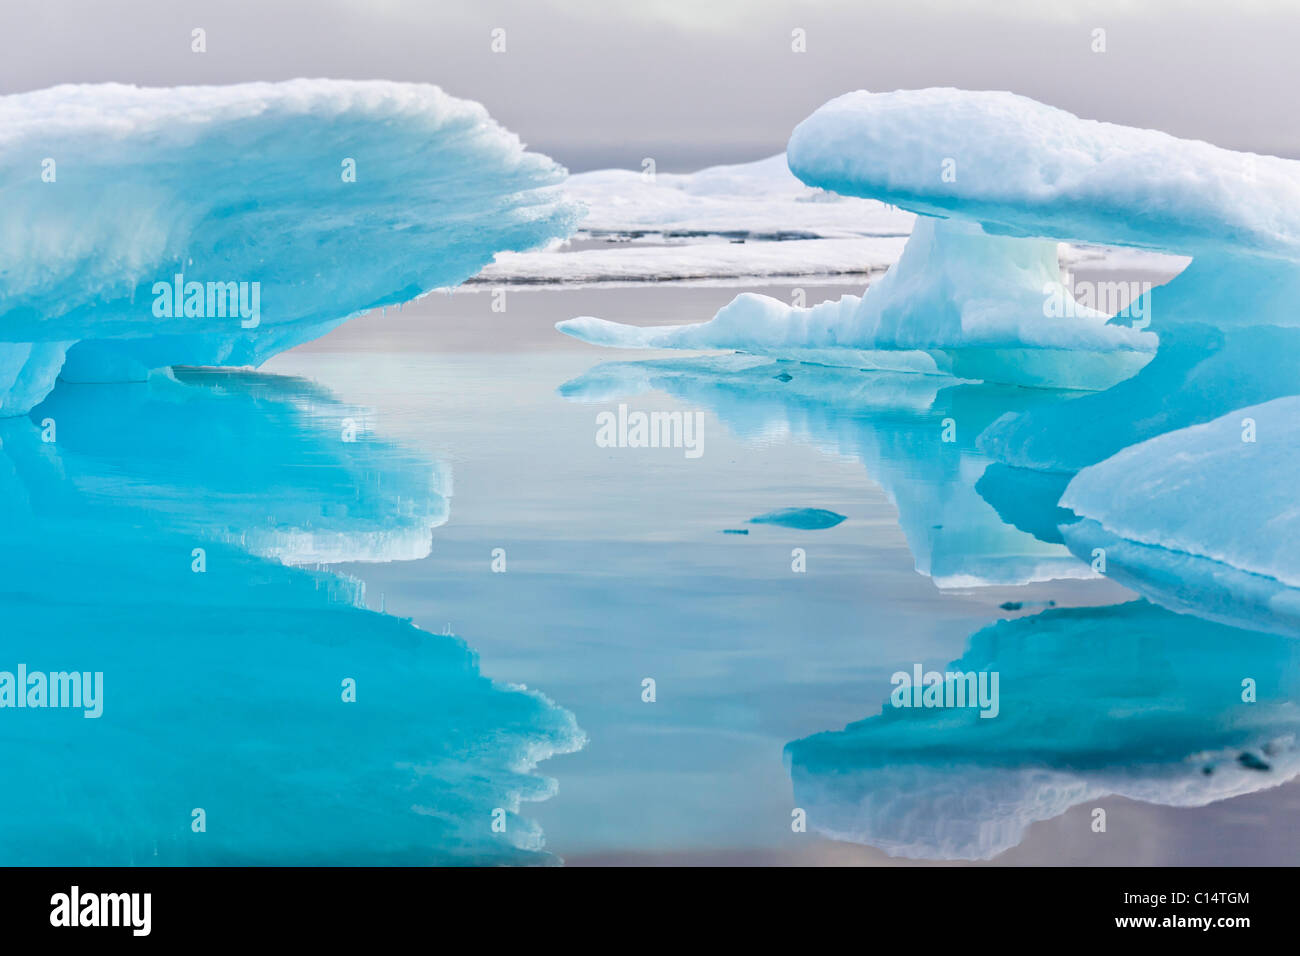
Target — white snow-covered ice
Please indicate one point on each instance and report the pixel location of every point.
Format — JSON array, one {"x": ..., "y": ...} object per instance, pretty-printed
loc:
[
  {"x": 1225, "y": 491},
  {"x": 973, "y": 304},
  {"x": 730, "y": 225},
  {"x": 998, "y": 180},
  {"x": 276, "y": 210}
]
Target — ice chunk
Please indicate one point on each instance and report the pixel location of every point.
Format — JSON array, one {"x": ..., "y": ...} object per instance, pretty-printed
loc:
[
  {"x": 994, "y": 177},
  {"x": 1187, "y": 583},
  {"x": 958, "y": 301},
  {"x": 1022, "y": 168},
  {"x": 1129, "y": 700},
  {"x": 759, "y": 200},
  {"x": 283, "y": 208},
  {"x": 28, "y": 371},
  {"x": 804, "y": 519},
  {"x": 1224, "y": 491}
]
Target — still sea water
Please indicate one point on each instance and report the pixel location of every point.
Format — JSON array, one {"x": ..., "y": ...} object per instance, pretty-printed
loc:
[{"x": 243, "y": 555}]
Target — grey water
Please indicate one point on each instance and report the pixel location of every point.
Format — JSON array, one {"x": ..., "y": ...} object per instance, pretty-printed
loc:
[{"x": 617, "y": 571}]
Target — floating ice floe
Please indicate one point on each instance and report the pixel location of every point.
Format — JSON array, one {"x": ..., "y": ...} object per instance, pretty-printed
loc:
[
  {"x": 722, "y": 225},
  {"x": 1203, "y": 519},
  {"x": 1129, "y": 701},
  {"x": 998, "y": 180},
  {"x": 733, "y": 225},
  {"x": 142, "y": 228}
]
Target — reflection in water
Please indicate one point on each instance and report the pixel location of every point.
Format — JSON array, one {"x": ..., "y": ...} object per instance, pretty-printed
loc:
[
  {"x": 1129, "y": 700},
  {"x": 1178, "y": 709},
  {"x": 1190, "y": 584},
  {"x": 270, "y": 463},
  {"x": 223, "y": 690},
  {"x": 915, "y": 434}
]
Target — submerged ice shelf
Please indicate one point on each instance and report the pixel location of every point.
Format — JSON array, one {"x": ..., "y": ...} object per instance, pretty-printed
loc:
[{"x": 143, "y": 228}]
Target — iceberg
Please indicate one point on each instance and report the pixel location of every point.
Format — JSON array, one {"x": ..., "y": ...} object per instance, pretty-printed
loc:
[
  {"x": 1022, "y": 168},
  {"x": 1199, "y": 374},
  {"x": 957, "y": 302},
  {"x": 1128, "y": 700},
  {"x": 1207, "y": 510},
  {"x": 145, "y": 228},
  {"x": 225, "y": 691},
  {"x": 997, "y": 180},
  {"x": 1240, "y": 468}
]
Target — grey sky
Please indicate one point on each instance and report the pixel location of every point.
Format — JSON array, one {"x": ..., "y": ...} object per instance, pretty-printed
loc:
[{"x": 693, "y": 82}]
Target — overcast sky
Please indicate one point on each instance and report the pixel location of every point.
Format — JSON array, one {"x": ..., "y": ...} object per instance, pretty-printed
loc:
[{"x": 693, "y": 82}]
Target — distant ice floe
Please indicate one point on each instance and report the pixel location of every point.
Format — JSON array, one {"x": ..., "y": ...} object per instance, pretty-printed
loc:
[
  {"x": 314, "y": 200},
  {"x": 1130, "y": 701},
  {"x": 732, "y": 225},
  {"x": 717, "y": 226}
]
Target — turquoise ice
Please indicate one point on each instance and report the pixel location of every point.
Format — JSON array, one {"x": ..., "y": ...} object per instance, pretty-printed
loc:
[
  {"x": 285, "y": 208},
  {"x": 141, "y": 544}
]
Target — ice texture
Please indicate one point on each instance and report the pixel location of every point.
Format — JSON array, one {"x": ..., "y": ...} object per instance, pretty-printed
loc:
[
  {"x": 957, "y": 301},
  {"x": 996, "y": 180},
  {"x": 1224, "y": 491},
  {"x": 241, "y": 184},
  {"x": 1022, "y": 168}
]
